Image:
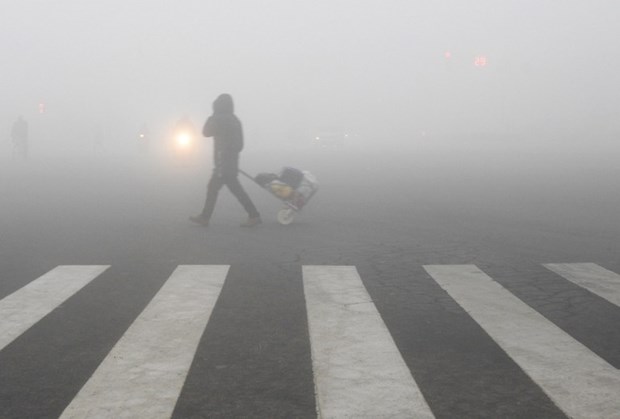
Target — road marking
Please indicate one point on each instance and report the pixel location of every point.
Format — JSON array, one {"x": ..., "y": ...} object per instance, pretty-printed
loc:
[
  {"x": 143, "y": 374},
  {"x": 592, "y": 277},
  {"x": 578, "y": 381},
  {"x": 358, "y": 370},
  {"x": 29, "y": 304}
]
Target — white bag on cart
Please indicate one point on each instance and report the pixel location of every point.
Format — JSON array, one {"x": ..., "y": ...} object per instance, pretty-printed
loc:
[{"x": 307, "y": 186}]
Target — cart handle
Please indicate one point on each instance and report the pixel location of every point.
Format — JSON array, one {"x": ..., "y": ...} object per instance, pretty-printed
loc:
[{"x": 248, "y": 176}]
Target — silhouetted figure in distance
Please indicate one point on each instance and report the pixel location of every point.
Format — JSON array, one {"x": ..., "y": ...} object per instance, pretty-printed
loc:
[{"x": 19, "y": 136}]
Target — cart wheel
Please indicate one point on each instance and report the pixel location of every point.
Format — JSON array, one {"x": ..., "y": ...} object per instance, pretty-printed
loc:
[{"x": 285, "y": 216}]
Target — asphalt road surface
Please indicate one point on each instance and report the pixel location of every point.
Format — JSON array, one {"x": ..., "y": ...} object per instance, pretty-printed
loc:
[{"x": 449, "y": 281}]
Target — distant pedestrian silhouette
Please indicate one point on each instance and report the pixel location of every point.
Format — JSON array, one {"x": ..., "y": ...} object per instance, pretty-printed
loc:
[{"x": 19, "y": 136}]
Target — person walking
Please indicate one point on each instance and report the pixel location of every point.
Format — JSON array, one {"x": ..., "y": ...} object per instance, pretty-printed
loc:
[
  {"x": 19, "y": 135},
  {"x": 225, "y": 128}
]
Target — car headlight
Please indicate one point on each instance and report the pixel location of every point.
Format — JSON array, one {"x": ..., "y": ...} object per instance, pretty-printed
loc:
[{"x": 184, "y": 139}]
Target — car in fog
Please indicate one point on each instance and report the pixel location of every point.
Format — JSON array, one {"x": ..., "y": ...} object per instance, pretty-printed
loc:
[{"x": 184, "y": 142}]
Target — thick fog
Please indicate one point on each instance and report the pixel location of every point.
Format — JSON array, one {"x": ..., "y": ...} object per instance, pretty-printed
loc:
[
  {"x": 397, "y": 71},
  {"x": 429, "y": 90},
  {"x": 479, "y": 133}
]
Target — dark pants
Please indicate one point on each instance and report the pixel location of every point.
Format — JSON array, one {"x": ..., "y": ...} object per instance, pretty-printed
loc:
[{"x": 219, "y": 179}]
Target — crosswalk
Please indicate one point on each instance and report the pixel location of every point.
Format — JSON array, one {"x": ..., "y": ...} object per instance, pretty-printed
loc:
[
  {"x": 358, "y": 369},
  {"x": 20, "y": 310},
  {"x": 559, "y": 364},
  {"x": 143, "y": 374}
]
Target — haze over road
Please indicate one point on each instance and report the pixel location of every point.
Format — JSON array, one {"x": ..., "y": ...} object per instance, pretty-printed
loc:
[
  {"x": 460, "y": 258},
  {"x": 507, "y": 216}
]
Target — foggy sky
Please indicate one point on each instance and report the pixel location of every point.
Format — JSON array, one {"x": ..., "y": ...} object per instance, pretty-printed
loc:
[{"x": 374, "y": 67}]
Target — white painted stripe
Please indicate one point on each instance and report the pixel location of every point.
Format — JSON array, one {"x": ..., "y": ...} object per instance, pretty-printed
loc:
[
  {"x": 358, "y": 370},
  {"x": 143, "y": 374},
  {"x": 592, "y": 277},
  {"x": 29, "y": 304},
  {"x": 578, "y": 381}
]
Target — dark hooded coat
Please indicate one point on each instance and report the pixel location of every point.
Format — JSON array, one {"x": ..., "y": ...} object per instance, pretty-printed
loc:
[{"x": 227, "y": 133}]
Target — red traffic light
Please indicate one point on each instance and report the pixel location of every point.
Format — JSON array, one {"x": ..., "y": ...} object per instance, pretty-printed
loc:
[{"x": 480, "y": 61}]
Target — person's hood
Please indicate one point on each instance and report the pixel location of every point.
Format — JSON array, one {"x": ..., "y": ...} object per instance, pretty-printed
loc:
[{"x": 223, "y": 104}]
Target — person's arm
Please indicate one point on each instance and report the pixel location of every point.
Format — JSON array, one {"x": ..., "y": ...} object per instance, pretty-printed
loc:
[{"x": 209, "y": 129}]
